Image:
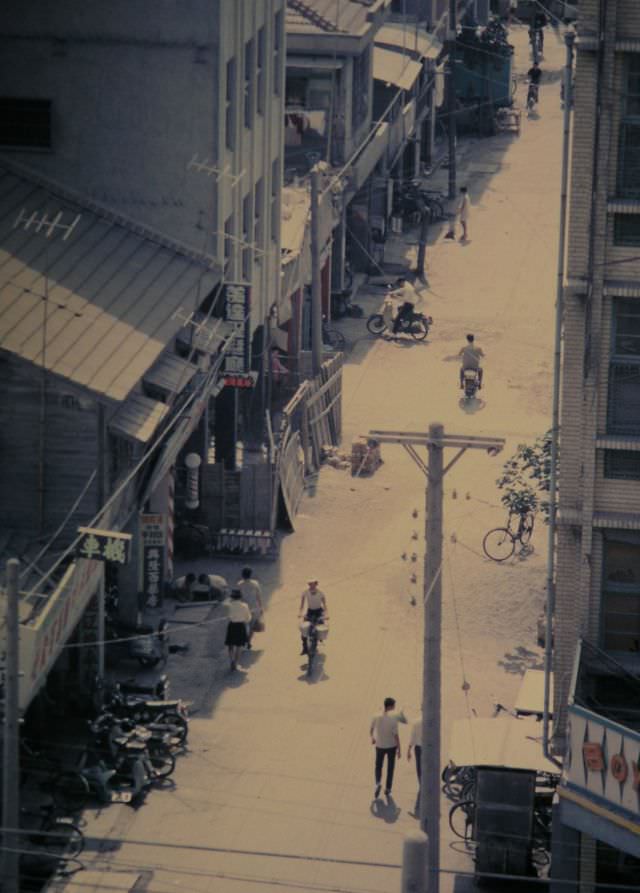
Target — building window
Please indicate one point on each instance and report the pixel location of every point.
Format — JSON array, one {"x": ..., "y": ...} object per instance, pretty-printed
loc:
[
  {"x": 277, "y": 53},
  {"x": 25, "y": 123},
  {"x": 260, "y": 72},
  {"x": 248, "y": 82},
  {"x": 229, "y": 116},
  {"x": 360, "y": 88},
  {"x": 275, "y": 191},
  {"x": 621, "y": 592},
  {"x": 246, "y": 238},
  {"x": 624, "y": 369},
  {"x": 626, "y": 230},
  {"x": 629, "y": 152},
  {"x": 622, "y": 465}
]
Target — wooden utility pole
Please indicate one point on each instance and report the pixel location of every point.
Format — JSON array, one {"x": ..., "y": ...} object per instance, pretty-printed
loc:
[
  {"x": 11, "y": 766},
  {"x": 435, "y": 441},
  {"x": 316, "y": 285},
  {"x": 451, "y": 95}
]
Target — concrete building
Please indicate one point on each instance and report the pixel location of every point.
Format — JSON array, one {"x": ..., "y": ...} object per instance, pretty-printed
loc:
[
  {"x": 597, "y": 613},
  {"x": 168, "y": 114}
]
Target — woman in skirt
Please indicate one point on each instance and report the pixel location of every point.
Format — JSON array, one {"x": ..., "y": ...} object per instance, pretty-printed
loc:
[{"x": 239, "y": 617}]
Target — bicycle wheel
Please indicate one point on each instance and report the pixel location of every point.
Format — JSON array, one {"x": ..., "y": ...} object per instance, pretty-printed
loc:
[
  {"x": 526, "y": 528},
  {"x": 499, "y": 544},
  {"x": 419, "y": 329},
  {"x": 376, "y": 324},
  {"x": 62, "y": 833},
  {"x": 461, "y": 819},
  {"x": 335, "y": 339},
  {"x": 163, "y": 763},
  {"x": 71, "y": 791}
]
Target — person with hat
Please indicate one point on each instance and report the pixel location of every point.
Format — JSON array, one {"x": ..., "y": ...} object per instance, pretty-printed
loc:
[
  {"x": 239, "y": 616},
  {"x": 316, "y": 607}
]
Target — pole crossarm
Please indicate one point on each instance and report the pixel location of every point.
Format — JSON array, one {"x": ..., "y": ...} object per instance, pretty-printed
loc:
[{"x": 420, "y": 438}]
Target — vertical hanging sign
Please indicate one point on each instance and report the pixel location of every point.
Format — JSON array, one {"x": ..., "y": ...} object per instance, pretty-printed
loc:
[
  {"x": 153, "y": 543},
  {"x": 237, "y": 361}
]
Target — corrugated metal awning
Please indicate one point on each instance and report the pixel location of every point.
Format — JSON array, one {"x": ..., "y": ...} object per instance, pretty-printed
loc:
[
  {"x": 138, "y": 417},
  {"x": 115, "y": 290},
  {"x": 617, "y": 520},
  {"x": 621, "y": 289},
  {"x": 413, "y": 40},
  {"x": 395, "y": 68},
  {"x": 171, "y": 373}
]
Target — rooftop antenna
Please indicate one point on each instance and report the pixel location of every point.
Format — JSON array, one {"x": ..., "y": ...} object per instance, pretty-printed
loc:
[{"x": 211, "y": 171}]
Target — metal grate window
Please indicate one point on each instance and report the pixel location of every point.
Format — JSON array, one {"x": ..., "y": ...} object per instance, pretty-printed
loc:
[
  {"x": 25, "y": 123},
  {"x": 230, "y": 117},
  {"x": 623, "y": 407},
  {"x": 629, "y": 148},
  {"x": 249, "y": 53},
  {"x": 622, "y": 465},
  {"x": 626, "y": 230}
]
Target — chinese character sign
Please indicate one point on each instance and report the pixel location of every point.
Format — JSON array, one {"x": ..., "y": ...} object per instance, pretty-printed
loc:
[
  {"x": 153, "y": 538},
  {"x": 104, "y": 545},
  {"x": 236, "y": 311}
]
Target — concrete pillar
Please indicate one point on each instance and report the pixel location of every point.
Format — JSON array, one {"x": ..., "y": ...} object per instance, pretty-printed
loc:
[{"x": 339, "y": 253}]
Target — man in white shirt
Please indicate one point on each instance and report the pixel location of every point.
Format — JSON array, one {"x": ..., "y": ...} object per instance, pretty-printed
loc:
[
  {"x": 316, "y": 607},
  {"x": 386, "y": 740}
]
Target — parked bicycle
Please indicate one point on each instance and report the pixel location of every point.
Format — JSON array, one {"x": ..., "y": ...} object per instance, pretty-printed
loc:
[
  {"x": 500, "y": 543},
  {"x": 332, "y": 337}
]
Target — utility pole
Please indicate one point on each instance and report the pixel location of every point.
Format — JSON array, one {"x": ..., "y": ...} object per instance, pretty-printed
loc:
[
  {"x": 435, "y": 441},
  {"x": 10, "y": 766},
  {"x": 451, "y": 95},
  {"x": 425, "y": 220},
  {"x": 316, "y": 285}
]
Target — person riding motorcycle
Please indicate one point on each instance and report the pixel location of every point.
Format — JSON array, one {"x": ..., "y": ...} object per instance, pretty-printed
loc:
[
  {"x": 406, "y": 294},
  {"x": 539, "y": 23},
  {"x": 534, "y": 75},
  {"x": 471, "y": 356},
  {"x": 316, "y": 608}
]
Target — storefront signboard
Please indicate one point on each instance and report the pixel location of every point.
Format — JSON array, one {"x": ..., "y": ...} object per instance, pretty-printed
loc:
[{"x": 153, "y": 544}]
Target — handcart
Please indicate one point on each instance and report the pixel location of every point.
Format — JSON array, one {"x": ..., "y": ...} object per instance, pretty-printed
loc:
[{"x": 508, "y": 120}]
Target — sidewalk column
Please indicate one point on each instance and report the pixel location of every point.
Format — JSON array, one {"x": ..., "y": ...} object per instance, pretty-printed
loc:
[
  {"x": 414, "y": 863},
  {"x": 11, "y": 766}
]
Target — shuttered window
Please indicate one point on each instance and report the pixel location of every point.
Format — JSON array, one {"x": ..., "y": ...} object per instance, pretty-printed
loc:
[
  {"x": 621, "y": 592},
  {"x": 629, "y": 149},
  {"x": 623, "y": 409},
  {"x": 25, "y": 123}
]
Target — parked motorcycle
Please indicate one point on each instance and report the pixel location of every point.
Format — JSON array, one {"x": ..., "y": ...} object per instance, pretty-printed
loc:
[
  {"x": 145, "y": 711},
  {"x": 416, "y": 325},
  {"x": 124, "y": 747}
]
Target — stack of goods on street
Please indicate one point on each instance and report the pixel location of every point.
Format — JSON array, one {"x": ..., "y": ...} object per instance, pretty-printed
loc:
[
  {"x": 365, "y": 456},
  {"x": 335, "y": 457}
]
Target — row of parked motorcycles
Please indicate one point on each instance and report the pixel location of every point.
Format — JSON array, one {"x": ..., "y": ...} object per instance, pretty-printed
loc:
[{"x": 132, "y": 744}]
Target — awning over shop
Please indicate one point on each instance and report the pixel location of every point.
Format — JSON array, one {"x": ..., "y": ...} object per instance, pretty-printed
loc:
[
  {"x": 138, "y": 417},
  {"x": 171, "y": 373},
  {"x": 409, "y": 39},
  {"x": 395, "y": 68}
]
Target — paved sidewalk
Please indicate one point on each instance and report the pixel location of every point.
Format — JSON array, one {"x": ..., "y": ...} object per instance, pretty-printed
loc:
[{"x": 276, "y": 790}]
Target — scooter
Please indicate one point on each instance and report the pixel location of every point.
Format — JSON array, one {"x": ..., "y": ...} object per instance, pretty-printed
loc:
[
  {"x": 151, "y": 713},
  {"x": 313, "y": 632},
  {"x": 470, "y": 383},
  {"x": 151, "y": 648}
]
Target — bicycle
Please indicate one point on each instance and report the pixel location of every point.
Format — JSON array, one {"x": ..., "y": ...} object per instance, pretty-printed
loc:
[
  {"x": 54, "y": 832},
  {"x": 500, "y": 543},
  {"x": 458, "y": 782},
  {"x": 333, "y": 338},
  {"x": 461, "y": 817}
]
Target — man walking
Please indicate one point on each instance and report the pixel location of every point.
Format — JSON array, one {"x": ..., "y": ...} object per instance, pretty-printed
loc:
[
  {"x": 386, "y": 740},
  {"x": 252, "y": 595}
]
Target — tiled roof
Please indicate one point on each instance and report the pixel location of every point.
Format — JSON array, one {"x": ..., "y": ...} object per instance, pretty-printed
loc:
[{"x": 98, "y": 307}]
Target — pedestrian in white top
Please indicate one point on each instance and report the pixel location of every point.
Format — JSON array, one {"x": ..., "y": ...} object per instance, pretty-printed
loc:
[
  {"x": 239, "y": 616},
  {"x": 415, "y": 744},
  {"x": 463, "y": 213},
  {"x": 252, "y": 595},
  {"x": 316, "y": 607},
  {"x": 386, "y": 740}
]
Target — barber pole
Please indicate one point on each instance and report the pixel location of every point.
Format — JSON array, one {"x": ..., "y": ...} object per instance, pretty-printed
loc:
[{"x": 171, "y": 485}]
